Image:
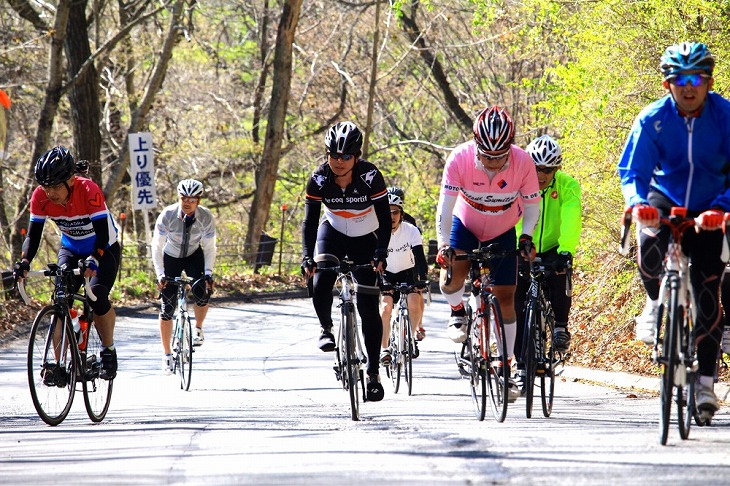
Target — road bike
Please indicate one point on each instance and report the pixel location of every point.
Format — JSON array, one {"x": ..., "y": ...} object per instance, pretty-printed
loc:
[
  {"x": 674, "y": 348},
  {"x": 538, "y": 355},
  {"x": 58, "y": 358},
  {"x": 182, "y": 333},
  {"x": 401, "y": 343},
  {"x": 349, "y": 355},
  {"x": 483, "y": 355}
]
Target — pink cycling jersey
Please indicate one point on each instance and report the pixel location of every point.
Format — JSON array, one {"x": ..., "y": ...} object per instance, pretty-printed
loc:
[{"x": 486, "y": 207}]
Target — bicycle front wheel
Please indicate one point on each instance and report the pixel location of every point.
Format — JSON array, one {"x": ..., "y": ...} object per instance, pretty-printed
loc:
[
  {"x": 52, "y": 365},
  {"x": 97, "y": 392},
  {"x": 494, "y": 351},
  {"x": 685, "y": 390},
  {"x": 546, "y": 366},
  {"x": 668, "y": 360},
  {"x": 477, "y": 369},
  {"x": 351, "y": 362},
  {"x": 407, "y": 343},
  {"x": 184, "y": 352},
  {"x": 396, "y": 347},
  {"x": 530, "y": 354}
]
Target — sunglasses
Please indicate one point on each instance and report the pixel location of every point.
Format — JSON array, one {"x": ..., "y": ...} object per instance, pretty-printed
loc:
[
  {"x": 694, "y": 79},
  {"x": 546, "y": 170},
  {"x": 189, "y": 199},
  {"x": 395, "y": 211},
  {"x": 340, "y": 156},
  {"x": 491, "y": 156}
]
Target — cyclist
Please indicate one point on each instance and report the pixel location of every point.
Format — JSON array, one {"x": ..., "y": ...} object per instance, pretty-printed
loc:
[
  {"x": 88, "y": 233},
  {"x": 405, "y": 262},
  {"x": 488, "y": 184},
  {"x": 677, "y": 154},
  {"x": 556, "y": 235},
  {"x": 356, "y": 224},
  {"x": 184, "y": 239}
]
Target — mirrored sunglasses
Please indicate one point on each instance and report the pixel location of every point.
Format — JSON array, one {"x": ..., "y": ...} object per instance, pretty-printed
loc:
[
  {"x": 694, "y": 79},
  {"x": 546, "y": 170},
  {"x": 337, "y": 156}
]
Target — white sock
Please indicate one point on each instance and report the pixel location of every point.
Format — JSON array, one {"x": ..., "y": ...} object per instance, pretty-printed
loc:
[
  {"x": 510, "y": 331},
  {"x": 707, "y": 381},
  {"x": 455, "y": 299}
]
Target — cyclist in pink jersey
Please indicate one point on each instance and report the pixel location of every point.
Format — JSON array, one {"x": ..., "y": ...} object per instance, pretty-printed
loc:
[{"x": 488, "y": 185}]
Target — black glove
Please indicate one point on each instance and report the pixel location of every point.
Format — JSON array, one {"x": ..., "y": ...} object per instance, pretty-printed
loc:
[
  {"x": 563, "y": 261},
  {"x": 20, "y": 268},
  {"x": 381, "y": 255},
  {"x": 307, "y": 265},
  {"x": 525, "y": 245}
]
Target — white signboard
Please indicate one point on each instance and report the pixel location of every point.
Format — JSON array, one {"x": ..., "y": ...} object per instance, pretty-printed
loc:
[{"x": 141, "y": 157}]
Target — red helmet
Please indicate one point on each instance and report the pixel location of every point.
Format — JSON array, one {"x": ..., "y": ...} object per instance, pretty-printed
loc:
[{"x": 494, "y": 130}]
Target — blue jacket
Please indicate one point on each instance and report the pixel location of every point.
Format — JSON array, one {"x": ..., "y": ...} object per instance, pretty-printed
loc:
[{"x": 686, "y": 159}]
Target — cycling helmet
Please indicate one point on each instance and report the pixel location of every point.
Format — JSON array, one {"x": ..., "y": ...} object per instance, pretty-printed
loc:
[
  {"x": 686, "y": 56},
  {"x": 343, "y": 138},
  {"x": 398, "y": 192},
  {"x": 545, "y": 151},
  {"x": 54, "y": 167},
  {"x": 395, "y": 196},
  {"x": 190, "y": 188},
  {"x": 494, "y": 130}
]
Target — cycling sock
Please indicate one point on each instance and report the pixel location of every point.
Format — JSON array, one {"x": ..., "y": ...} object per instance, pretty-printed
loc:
[
  {"x": 455, "y": 299},
  {"x": 707, "y": 380},
  {"x": 510, "y": 331}
]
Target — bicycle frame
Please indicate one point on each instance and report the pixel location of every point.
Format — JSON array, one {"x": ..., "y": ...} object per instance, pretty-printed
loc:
[{"x": 182, "y": 339}]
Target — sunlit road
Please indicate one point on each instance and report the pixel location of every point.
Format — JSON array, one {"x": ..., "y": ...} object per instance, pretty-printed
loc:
[{"x": 264, "y": 408}]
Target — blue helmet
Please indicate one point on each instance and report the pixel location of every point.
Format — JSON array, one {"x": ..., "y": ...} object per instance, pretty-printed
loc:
[{"x": 686, "y": 56}]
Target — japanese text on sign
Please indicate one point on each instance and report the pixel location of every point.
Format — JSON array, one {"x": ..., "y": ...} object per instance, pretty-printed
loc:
[{"x": 141, "y": 157}]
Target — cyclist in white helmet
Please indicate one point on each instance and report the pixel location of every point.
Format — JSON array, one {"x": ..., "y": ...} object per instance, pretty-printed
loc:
[{"x": 184, "y": 239}]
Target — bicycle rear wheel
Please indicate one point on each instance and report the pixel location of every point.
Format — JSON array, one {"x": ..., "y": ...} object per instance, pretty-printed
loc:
[
  {"x": 52, "y": 365},
  {"x": 477, "y": 369},
  {"x": 529, "y": 355},
  {"x": 97, "y": 392},
  {"x": 407, "y": 343},
  {"x": 546, "y": 365},
  {"x": 668, "y": 361},
  {"x": 184, "y": 352},
  {"x": 686, "y": 389},
  {"x": 494, "y": 351},
  {"x": 351, "y": 362}
]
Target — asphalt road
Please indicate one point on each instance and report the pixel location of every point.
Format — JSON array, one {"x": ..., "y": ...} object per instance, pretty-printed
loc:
[{"x": 264, "y": 408}]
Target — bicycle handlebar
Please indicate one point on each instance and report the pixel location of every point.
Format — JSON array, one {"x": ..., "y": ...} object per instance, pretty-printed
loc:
[
  {"x": 537, "y": 266},
  {"x": 478, "y": 255},
  {"x": 51, "y": 272}
]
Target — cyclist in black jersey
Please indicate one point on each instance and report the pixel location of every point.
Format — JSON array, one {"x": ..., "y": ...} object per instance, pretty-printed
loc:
[{"x": 356, "y": 224}]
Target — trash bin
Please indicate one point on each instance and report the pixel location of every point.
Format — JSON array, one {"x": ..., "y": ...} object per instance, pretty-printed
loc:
[{"x": 266, "y": 251}]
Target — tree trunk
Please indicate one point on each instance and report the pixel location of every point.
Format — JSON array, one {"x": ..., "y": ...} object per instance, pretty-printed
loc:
[
  {"x": 45, "y": 121},
  {"x": 266, "y": 173},
  {"x": 261, "y": 85}
]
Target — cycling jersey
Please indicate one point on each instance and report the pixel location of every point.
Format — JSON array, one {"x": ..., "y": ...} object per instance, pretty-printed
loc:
[
  {"x": 359, "y": 209},
  {"x": 487, "y": 208},
  {"x": 404, "y": 250},
  {"x": 685, "y": 159},
  {"x": 84, "y": 220},
  {"x": 560, "y": 221},
  {"x": 179, "y": 237}
]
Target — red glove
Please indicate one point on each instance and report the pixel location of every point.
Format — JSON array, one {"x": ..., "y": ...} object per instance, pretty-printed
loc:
[
  {"x": 646, "y": 215},
  {"x": 710, "y": 220},
  {"x": 443, "y": 256}
]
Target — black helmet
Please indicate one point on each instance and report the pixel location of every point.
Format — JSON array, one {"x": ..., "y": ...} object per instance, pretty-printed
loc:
[
  {"x": 54, "y": 167},
  {"x": 343, "y": 138}
]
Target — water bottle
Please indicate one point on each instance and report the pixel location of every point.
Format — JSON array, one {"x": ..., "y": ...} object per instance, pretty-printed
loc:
[
  {"x": 75, "y": 320},
  {"x": 84, "y": 326}
]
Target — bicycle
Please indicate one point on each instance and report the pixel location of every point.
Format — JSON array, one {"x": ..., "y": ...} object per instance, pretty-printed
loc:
[
  {"x": 349, "y": 355},
  {"x": 675, "y": 350},
  {"x": 538, "y": 355},
  {"x": 182, "y": 333},
  {"x": 58, "y": 359},
  {"x": 401, "y": 345},
  {"x": 483, "y": 355}
]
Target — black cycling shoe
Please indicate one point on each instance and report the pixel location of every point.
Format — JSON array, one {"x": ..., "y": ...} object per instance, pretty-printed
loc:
[
  {"x": 561, "y": 340},
  {"x": 108, "y": 364},
  {"x": 326, "y": 340},
  {"x": 375, "y": 389},
  {"x": 416, "y": 353},
  {"x": 54, "y": 375}
]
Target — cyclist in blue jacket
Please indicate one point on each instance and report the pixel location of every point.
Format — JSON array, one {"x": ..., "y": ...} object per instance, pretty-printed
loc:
[{"x": 678, "y": 154}]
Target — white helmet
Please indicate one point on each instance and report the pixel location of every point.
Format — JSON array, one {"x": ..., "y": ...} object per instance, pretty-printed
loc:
[
  {"x": 545, "y": 151},
  {"x": 190, "y": 188}
]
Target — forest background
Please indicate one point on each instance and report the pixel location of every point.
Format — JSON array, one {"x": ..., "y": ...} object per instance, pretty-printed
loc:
[{"x": 239, "y": 94}]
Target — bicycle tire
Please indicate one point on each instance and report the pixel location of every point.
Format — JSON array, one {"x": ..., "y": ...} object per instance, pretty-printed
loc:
[
  {"x": 530, "y": 354},
  {"x": 547, "y": 364},
  {"x": 407, "y": 341},
  {"x": 668, "y": 360},
  {"x": 396, "y": 361},
  {"x": 97, "y": 392},
  {"x": 184, "y": 355},
  {"x": 495, "y": 355},
  {"x": 477, "y": 368},
  {"x": 351, "y": 367},
  {"x": 685, "y": 392},
  {"x": 52, "y": 402}
]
